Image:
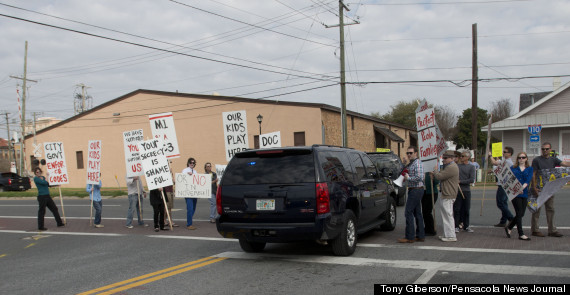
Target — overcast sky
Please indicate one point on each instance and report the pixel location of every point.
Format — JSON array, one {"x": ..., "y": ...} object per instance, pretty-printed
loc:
[{"x": 279, "y": 50}]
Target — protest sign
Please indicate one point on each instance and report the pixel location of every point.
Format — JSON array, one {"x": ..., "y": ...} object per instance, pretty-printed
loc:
[
  {"x": 55, "y": 163},
  {"x": 131, "y": 141},
  {"x": 428, "y": 148},
  {"x": 193, "y": 186},
  {"x": 425, "y": 119},
  {"x": 441, "y": 144},
  {"x": 162, "y": 127},
  {"x": 551, "y": 181},
  {"x": 507, "y": 179},
  {"x": 235, "y": 132},
  {"x": 94, "y": 162},
  {"x": 270, "y": 140},
  {"x": 422, "y": 106},
  {"x": 156, "y": 170},
  {"x": 497, "y": 149},
  {"x": 220, "y": 169}
]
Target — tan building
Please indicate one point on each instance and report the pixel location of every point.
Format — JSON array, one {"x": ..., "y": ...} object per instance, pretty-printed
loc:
[{"x": 199, "y": 128}]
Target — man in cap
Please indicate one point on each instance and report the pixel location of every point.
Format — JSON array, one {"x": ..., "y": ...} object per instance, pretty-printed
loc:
[{"x": 449, "y": 184}]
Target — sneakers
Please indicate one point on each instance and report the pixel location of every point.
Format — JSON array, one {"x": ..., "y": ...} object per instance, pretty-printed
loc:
[
  {"x": 129, "y": 226},
  {"x": 156, "y": 229},
  {"x": 468, "y": 229},
  {"x": 99, "y": 225},
  {"x": 555, "y": 234},
  {"x": 212, "y": 220},
  {"x": 191, "y": 227},
  {"x": 61, "y": 225},
  {"x": 445, "y": 239},
  {"x": 537, "y": 234},
  {"x": 524, "y": 238},
  {"x": 404, "y": 240},
  {"x": 175, "y": 225},
  {"x": 457, "y": 229},
  {"x": 500, "y": 225}
]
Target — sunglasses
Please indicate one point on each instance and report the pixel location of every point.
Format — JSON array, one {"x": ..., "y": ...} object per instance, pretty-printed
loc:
[
  {"x": 506, "y": 152},
  {"x": 545, "y": 149},
  {"x": 521, "y": 158},
  {"x": 193, "y": 163},
  {"x": 409, "y": 153},
  {"x": 445, "y": 158}
]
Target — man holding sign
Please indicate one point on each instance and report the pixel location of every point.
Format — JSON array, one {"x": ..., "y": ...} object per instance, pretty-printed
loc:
[
  {"x": 501, "y": 196},
  {"x": 545, "y": 162}
]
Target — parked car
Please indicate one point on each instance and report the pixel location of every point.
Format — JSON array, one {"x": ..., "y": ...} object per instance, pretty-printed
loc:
[
  {"x": 323, "y": 193},
  {"x": 391, "y": 165},
  {"x": 13, "y": 182}
]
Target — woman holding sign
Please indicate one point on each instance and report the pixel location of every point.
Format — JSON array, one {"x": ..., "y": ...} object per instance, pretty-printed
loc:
[
  {"x": 208, "y": 169},
  {"x": 523, "y": 173},
  {"x": 190, "y": 202},
  {"x": 45, "y": 200}
]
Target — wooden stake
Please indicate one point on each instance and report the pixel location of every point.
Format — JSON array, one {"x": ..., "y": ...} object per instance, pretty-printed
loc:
[
  {"x": 62, "y": 209},
  {"x": 166, "y": 209},
  {"x": 433, "y": 203},
  {"x": 91, "y": 217}
]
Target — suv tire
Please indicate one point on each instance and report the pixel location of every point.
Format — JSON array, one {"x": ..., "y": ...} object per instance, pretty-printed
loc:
[
  {"x": 251, "y": 247},
  {"x": 345, "y": 243},
  {"x": 389, "y": 216}
]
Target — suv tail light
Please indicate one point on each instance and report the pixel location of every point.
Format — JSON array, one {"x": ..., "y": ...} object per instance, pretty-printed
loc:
[
  {"x": 219, "y": 200},
  {"x": 10, "y": 181},
  {"x": 323, "y": 200}
]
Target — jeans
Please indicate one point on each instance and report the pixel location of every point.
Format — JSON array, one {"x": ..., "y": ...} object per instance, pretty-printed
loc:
[
  {"x": 446, "y": 208},
  {"x": 158, "y": 216},
  {"x": 98, "y": 206},
  {"x": 213, "y": 208},
  {"x": 134, "y": 206},
  {"x": 549, "y": 205},
  {"x": 47, "y": 201},
  {"x": 427, "y": 208},
  {"x": 190, "y": 209},
  {"x": 414, "y": 218},
  {"x": 503, "y": 205},
  {"x": 461, "y": 209},
  {"x": 520, "y": 206}
]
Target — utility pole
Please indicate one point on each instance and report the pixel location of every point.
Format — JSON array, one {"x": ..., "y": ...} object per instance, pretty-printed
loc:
[
  {"x": 341, "y": 8},
  {"x": 35, "y": 114},
  {"x": 9, "y": 141},
  {"x": 83, "y": 87},
  {"x": 23, "y": 118},
  {"x": 474, "y": 89}
]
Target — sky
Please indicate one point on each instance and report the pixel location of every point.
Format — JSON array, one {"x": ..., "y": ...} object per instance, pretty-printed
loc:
[{"x": 286, "y": 50}]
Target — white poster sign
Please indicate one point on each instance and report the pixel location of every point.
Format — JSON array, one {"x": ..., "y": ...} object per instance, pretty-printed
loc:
[
  {"x": 93, "y": 162},
  {"x": 425, "y": 119},
  {"x": 193, "y": 186},
  {"x": 155, "y": 165},
  {"x": 220, "y": 169},
  {"x": 441, "y": 144},
  {"x": 55, "y": 163},
  {"x": 162, "y": 127},
  {"x": 422, "y": 106},
  {"x": 270, "y": 140},
  {"x": 508, "y": 180},
  {"x": 428, "y": 148},
  {"x": 235, "y": 133},
  {"x": 131, "y": 141},
  {"x": 549, "y": 189}
]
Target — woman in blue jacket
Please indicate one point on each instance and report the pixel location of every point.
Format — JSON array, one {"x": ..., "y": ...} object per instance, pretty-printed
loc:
[{"x": 523, "y": 172}]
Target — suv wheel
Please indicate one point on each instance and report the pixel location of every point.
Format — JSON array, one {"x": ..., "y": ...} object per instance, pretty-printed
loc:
[
  {"x": 345, "y": 243},
  {"x": 389, "y": 216},
  {"x": 249, "y": 247}
]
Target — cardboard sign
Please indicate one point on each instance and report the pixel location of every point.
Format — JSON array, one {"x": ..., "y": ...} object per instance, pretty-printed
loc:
[
  {"x": 425, "y": 119},
  {"x": 55, "y": 163},
  {"x": 220, "y": 169},
  {"x": 93, "y": 162},
  {"x": 162, "y": 127},
  {"x": 270, "y": 140},
  {"x": 235, "y": 133},
  {"x": 423, "y": 105},
  {"x": 155, "y": 165},
  {"x": 193, "y": 186},
  {"x": 427, "y": 151},
  {"x": 131, "y": 141},
  {"x": 441, "y": 144},
  {"x": 508, "y": 180},
  {"x": 497, "y": 149}
]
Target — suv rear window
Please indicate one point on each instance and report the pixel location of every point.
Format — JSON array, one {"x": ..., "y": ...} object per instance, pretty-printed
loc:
[{"x": 284, "y": 168}]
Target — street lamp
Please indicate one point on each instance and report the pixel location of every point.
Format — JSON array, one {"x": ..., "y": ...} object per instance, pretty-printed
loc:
[{"x": 259, "y": 119}]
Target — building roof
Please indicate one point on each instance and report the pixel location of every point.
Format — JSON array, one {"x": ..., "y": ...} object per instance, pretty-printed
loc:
[
  {"x": 540, "y": 102},
  {"x": 388, "y": 133},
  {"x": 222, "y": 98}
]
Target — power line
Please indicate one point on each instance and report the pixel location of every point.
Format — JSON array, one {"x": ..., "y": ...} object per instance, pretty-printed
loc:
[
  {"x": 462, "y": 83},
  {"x": 442, "y": 3}
]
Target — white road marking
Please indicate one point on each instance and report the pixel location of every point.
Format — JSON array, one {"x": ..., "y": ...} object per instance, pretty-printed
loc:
[
  {"x": 104, "y": 218},
  {"x": 61, "y": 233},
  {"x": 459, "y": 249},
  {"x": 36, "y": 205},
  {"x": 431, "y": 267},
  {"x": 192, "y": 238}
]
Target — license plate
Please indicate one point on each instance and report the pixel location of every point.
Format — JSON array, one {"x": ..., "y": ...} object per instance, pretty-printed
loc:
[{"x": 265, "y": 205}]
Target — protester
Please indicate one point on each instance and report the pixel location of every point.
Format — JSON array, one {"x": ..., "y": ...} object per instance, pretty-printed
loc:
[
  {"x": 158, "y": 208},
  {"x": 135, "y": 191},
  {"x": 190, "y": 202},
  {"x": 462, "y": 204},
  {"x": 208, "y": 170},
  {"x": 501, "y": 196},
  {"x": 45, "y": 200},
  {"x": 94, "y": 191},
  {"x": 523, "y": 172},
  {"x": 413, "y": 211},
  {"x": 477, "y": 166},
  {"x": 546, "y": 161},
  {"x": 427, "y": 205},
  {"x": 449, "y": 177}
]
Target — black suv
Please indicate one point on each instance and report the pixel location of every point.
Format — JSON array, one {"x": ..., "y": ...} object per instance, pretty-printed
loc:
[
  {"x": 13, "y": 182},
  {"x": 317, "y": 192},
  {"x": 391, "y": 166}
]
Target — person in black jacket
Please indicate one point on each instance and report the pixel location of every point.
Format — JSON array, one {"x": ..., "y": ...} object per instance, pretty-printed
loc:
[{"x": 158, "y": 208}]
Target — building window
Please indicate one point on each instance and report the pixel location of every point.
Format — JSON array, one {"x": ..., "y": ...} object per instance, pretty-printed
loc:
[
  {"x": 79, "y": 158},
  {"x": 299, "y": 138},
  {"x": 256, "y": 141}
]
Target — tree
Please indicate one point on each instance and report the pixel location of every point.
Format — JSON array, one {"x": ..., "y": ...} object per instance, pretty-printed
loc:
[
  {"x": 402, "y": 113},
  {"x": 446, "y": 119},
  {"x": 501, "y": 109},
  {"x": 463, "y": 136}
]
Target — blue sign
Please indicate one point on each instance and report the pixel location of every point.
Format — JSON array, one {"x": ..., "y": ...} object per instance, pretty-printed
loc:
[
  {"x": 534, "y": 138},
  {"x": 534, "y": 129}
]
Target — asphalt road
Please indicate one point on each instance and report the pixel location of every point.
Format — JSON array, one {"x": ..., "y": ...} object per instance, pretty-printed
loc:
[{"x": 79, "y": 258}]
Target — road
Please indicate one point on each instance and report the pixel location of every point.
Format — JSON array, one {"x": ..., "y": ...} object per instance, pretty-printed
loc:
[{"x": 116, "y": 260}]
